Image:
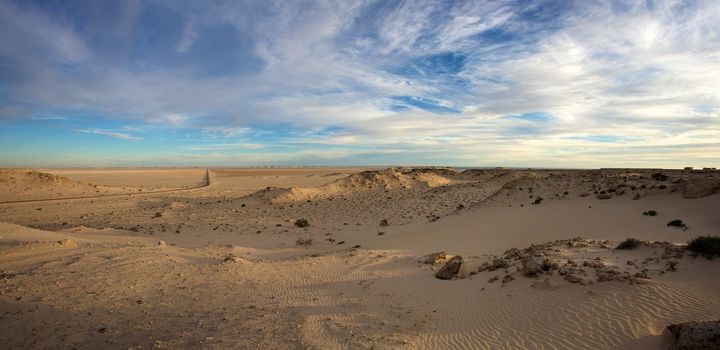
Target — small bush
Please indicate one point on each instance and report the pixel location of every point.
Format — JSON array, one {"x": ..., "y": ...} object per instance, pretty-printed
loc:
[
  {"x": 304, "y": 241},
  {"x": 384, "y": 222},
  {"x": 650, "y": 213},
  {"x": 538, "y": 200},
  {"x": 677, "y": 223},
  {"x": 628, "y": 244},
  {"x": 659, "y": 177},
  {"x": 302, "y": 223},
  {"x": 707, "y": 246},
  {"x": 157, "y": 215}
]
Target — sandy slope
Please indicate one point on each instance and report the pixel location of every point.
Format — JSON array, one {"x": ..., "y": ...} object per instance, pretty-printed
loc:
[{"x": 231, "y": 276}]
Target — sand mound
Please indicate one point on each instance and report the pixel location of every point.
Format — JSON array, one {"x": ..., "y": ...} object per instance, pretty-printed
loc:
[
  {"x": 388, "y": 179},
  {"x": 20, "y": 178},
  {"x": 292, "y": 194},
  {"x": 30, "y": 185},
  {"x": 394, "y": 178},
  {"x": 385, "y": 179}
]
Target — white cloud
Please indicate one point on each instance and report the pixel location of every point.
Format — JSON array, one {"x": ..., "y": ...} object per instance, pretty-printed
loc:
[
  {"x": 226, "y": 132},
  {"x": 226, "y": 146},
  {"x": 168, "y": 119},
  {"x": 113, "y": 134},
  {"x": 28, "y": 32},
  {"x": 187, "y": 37}
]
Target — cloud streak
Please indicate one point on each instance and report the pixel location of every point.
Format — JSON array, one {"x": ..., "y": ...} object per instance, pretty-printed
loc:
[{"x": 113, "y": 134}]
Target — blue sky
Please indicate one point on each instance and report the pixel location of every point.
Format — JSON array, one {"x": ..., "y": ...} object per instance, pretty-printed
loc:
[{"x": 467, "y": 83}]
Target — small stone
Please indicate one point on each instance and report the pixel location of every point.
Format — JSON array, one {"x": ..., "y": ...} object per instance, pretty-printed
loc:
[
  {"x": 642, "y": 274},
  {"x": 232, "y": 258},
  {"x": 497, "y": 264},
  {"x": 512, "y": 253},
  {"x": 433, "y": 258},
  {"x": 573, "y": 279},
  {"x": 450, "y": 269},
  {"x": 67, "y": 242}
]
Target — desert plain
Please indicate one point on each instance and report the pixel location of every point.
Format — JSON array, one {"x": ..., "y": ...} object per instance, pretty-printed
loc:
[{"x": 354, "y": 258}]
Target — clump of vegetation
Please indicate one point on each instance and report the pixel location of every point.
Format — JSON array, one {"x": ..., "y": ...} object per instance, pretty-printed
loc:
[
  {"x": 303, "y": 241},
  {"x": 302, "y": 223},
  {"x": 538, "y": 200},
  {"x": 629, "y": 244},
  {"x": 384, "y": 222},
  {"x": 650, "y": 213},
  {"x": 677, "y": 223},
  {"x": 707, "y": 246},
  {"x": 157, "y": 215}
]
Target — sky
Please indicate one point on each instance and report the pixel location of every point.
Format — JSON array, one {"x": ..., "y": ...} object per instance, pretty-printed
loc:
[{"x": 578, "y": 84}]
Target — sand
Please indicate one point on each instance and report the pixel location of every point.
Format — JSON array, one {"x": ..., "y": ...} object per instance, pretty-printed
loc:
[{"x": 161, "y": 259}]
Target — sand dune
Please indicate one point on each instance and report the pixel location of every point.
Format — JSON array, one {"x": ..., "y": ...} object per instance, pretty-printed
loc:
[
  {"x": 219, "y": 267},
  {"x": 388, "y": 179},
  {"x": 31, "y": 184}
]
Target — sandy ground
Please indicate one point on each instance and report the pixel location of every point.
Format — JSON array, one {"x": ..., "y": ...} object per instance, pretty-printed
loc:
[{"x": 220, "y": 266}]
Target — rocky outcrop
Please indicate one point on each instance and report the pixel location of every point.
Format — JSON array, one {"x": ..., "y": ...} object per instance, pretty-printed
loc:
[
  {"x": 698, "y": 188},
  {"x": 531, "y": 265},
  {"x": 450, "y": 269},
  {"x": 695, "y": 335}
]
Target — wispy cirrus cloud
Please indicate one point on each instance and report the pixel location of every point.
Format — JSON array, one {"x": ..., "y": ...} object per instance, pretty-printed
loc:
[
  {"x": 456, "y": 81},
  {"x": 113, "y": 134}
]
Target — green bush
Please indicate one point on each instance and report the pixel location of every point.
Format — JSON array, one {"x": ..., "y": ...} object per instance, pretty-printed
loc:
[
  {"x": 650, "y": 213},
  {"x": 628, "y": 244},
  {"x": 302, "y": 223},
  {"x": 677, "y": 223},
  {"x": 707, "y": 246}
]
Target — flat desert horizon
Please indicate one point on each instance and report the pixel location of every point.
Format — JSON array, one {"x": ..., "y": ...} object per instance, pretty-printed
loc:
[{"x": 355, "y": 258}]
